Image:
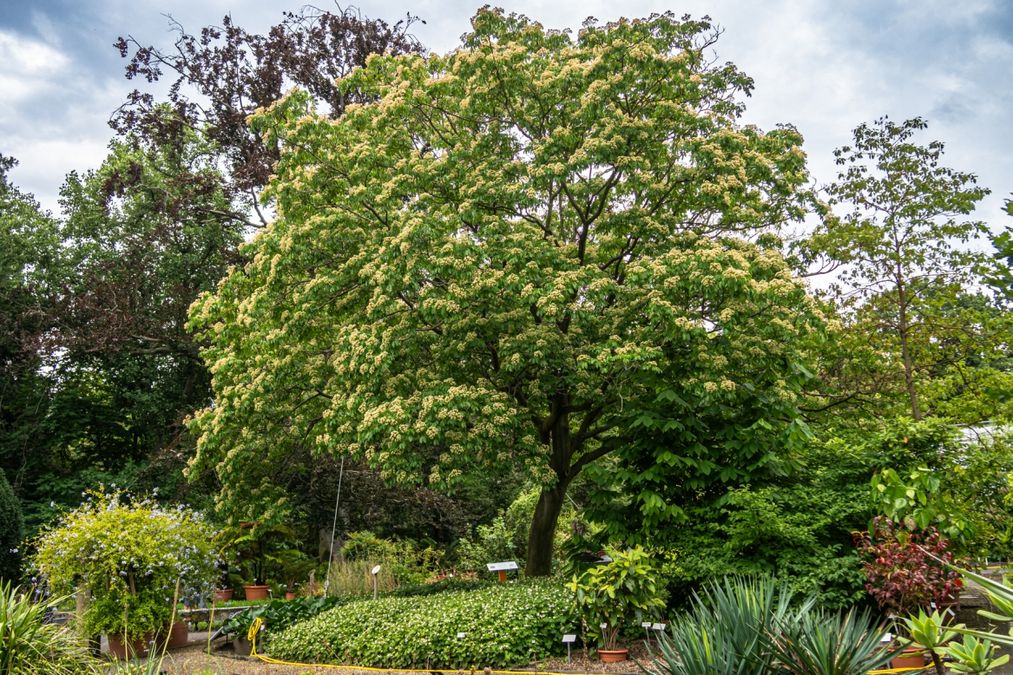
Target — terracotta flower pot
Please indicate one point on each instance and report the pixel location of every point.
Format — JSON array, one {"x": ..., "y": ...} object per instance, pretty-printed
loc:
[
  {"x": 612, "y": 655},
  {"x": 289, "y": 595},
  {"x": 179, "y": 635},
  {"x": 909, "y": 658},
  {"x": 117, "y": 650},
  {"x": 222, "y": 594},
  {"x": 256, "y": 592}
]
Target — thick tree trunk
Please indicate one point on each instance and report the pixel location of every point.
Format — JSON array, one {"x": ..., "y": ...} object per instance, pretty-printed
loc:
[
  {"x": 542, "y": 534},
  {"x": 543, "y": 531}
]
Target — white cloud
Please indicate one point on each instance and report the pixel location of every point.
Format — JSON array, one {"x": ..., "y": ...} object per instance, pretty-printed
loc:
[
  {"x": 44, "y": 26},
  {"x": 27, "y": 69},
  {"x": 991, "y": 48},
  {"x": 30, "y": 57}
]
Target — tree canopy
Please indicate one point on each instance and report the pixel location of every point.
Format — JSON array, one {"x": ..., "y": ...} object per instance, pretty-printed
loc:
[{"x": 494, "y": 260}]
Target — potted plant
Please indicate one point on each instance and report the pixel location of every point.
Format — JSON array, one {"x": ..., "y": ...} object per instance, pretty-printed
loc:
[
  {"x": 222, "y": 595},
  {"x": 131, "y": 557},
  {"x": 293, "y": 565},
  {"x": 256, "y": 547},
  {"x": 906, "y": 573},
  {"x": 224, "y": 589},
  {"x": 614, "y": 596}
]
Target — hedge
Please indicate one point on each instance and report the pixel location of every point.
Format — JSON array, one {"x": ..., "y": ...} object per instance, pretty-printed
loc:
[{"x": 504, "y": 625}]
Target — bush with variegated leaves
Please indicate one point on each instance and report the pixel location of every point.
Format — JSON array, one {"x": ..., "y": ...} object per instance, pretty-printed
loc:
[{"x": 503, "y": 625}]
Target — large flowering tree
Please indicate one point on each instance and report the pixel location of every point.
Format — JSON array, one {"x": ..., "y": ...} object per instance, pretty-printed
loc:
[{"x": 495, "y": 260}]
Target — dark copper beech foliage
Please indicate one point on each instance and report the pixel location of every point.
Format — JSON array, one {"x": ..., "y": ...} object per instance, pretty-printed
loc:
[{"x": 222, "y": 74}]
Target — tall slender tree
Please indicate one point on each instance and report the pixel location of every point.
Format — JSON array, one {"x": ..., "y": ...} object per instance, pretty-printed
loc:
[{"x": 903, "y": 233}]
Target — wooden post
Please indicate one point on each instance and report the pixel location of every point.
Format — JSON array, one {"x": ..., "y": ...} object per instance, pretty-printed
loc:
[{"x": 502, "y": 576}]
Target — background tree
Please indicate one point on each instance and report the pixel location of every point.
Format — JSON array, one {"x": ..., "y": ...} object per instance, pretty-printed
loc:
[
  {"x": 492, "y": 264},
  {"x": 30, "y": 271},
  {"x": 900, "y": 237},
  {"x": 1001, "y": 276},
  {"x": 98, "y": 370}
]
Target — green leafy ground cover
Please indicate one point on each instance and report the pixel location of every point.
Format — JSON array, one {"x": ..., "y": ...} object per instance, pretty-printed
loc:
[{"x": 503, "y": 625}]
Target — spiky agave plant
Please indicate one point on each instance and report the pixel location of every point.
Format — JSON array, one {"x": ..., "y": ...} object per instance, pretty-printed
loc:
[
  {"x": 813, "y": 641},
  {"x": 29, "y": 645}
]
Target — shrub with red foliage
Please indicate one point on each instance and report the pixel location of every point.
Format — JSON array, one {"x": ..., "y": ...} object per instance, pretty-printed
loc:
[{"x": 903, "y": 568}]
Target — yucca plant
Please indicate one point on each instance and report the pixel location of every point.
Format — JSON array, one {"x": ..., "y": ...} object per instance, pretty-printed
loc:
[
  {"x": 29, "y": 645},
  {"x": 721, "y": 634},
  {"x": 758, "y": 626},
  {"x": 811, "y": 641},
  {"x": 1001, "y": 597}
]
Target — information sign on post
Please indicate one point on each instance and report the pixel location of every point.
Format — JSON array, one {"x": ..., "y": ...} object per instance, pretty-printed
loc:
[
  {"x": 568, "y": 640},
  {"x": 502, "y": 568}
]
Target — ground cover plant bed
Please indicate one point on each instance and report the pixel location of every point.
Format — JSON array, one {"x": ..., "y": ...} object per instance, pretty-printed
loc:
[{"x": 505, "y": 625}]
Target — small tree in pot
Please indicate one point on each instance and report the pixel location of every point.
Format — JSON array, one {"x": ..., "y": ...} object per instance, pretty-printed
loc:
[
  {"x": 131, "y": 556},
  {"x": 615, "y": 595}
]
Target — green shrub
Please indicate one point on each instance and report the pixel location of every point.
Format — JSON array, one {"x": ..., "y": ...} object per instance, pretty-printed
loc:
[
  {"x": 132, "y": 557},
  {"x": 11, "y": 531},
  {"x": 28, "y": 644},
  {"x": 503, "y": 625},
  {"x": 402, "y": 563},
  {"x": 490, "y": 543},
  {"x": 443, "y": 586}
]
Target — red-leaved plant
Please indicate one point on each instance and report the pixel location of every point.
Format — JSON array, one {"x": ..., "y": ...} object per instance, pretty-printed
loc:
[{"x": 904, "y": 569}]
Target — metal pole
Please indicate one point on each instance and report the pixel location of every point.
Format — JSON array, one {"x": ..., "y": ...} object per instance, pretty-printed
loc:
[{"x": 334, "y": 526}]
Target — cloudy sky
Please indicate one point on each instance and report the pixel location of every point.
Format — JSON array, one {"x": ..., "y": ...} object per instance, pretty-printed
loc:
[{"x": 823, "y": 65}]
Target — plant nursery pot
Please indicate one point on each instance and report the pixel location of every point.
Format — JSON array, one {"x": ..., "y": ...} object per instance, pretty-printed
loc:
[
  {"x": 242, "y": 646},
  {"x": 909, "y": 658},
  {"x": 179, "y": 635},
  {"x": 612, "y": 655},
  {"x": 256, "y": 592},
  {"x": 289, "y": 595},
  {"x": 222, "y": 594},
  {"x": 117, "y": 650}
]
